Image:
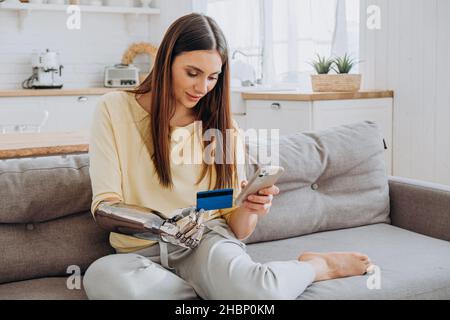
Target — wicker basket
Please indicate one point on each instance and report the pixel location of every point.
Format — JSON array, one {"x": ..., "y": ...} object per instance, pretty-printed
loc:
[{"x": 336, "y": 82}]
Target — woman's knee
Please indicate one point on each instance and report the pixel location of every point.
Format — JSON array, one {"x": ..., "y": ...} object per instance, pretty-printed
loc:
[
  {"x": 253, "y": 281},
  {"x": 132, "y": 276},
  {"x": 106, "y": 277}
]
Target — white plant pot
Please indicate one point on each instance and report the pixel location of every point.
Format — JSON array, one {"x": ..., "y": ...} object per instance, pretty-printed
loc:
[{"x": 336, "y": 82}]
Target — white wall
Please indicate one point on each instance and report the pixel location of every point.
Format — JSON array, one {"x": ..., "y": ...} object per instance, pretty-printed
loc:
[
  {"x": 101, "y": 41},
  {"x": 410, "y": 54},
  {"x": 170, "y": 11}
]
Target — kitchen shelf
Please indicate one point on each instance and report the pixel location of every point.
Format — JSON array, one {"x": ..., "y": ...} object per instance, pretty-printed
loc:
[
  {"x": 83, "y": 8},
  {"x": 24, "y": 9}
]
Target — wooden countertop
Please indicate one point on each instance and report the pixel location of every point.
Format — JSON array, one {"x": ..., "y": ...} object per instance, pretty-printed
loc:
[
  {"x": 56, "y": 92},
  {"x": 266, "y": 95},
  {"x": 17, "y": 145},
  {"x": 315, "y": 96}
]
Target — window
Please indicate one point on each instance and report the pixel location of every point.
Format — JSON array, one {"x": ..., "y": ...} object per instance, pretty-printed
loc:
[
  {"x": 240, "y": 20},
  {"x": 280, "y": 37}
]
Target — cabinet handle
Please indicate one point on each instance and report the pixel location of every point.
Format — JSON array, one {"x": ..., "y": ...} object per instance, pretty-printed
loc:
[
  {"x": 82, "y": 99},
  {"x": 275, "y": 106}
]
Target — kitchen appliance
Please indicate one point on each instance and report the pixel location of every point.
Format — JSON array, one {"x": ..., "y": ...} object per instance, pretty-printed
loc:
[
  {"x": 46, "y": 71},
  {"x": 121, "y": 75}
]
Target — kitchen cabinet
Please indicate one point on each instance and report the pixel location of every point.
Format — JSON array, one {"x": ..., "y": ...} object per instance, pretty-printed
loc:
[
  {"x": 64, "y": 112},
  {"x": 72, "y": 110},
  {"x": 70, "y": 113},
  {"x": 241, "y": 119},
  {"x": 297, "y": 116},
  {"x": 47, "y": 113},
  {"x": 287, "y": 116}
]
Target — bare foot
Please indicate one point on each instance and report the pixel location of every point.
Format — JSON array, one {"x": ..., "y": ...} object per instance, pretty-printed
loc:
[{"x": 334, "y": 265}]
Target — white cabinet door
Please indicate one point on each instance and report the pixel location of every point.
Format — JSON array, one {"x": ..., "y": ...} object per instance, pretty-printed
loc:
[
  {"x": 339, "y": 112},
  {"x": 70, "y": 113},
  {"x": 241, "y": 119},
  {"x": 50, "y": 113},
  {"x": 287, "y": 116},
  {"x": 24, "y": 114}
]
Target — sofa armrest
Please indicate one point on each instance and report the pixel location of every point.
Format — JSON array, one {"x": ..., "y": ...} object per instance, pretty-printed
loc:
[{"x": 419, "y": 206}]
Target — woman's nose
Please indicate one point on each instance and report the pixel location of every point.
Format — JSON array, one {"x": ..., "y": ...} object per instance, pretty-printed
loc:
[{"x": 201, "y": 87}]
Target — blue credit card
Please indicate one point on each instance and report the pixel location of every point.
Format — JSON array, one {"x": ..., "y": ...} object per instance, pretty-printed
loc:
[{"x": 215, "y": 199}]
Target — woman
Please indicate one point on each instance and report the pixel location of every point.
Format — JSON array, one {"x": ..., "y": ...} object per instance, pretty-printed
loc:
[{"x": 132, "y": 169}]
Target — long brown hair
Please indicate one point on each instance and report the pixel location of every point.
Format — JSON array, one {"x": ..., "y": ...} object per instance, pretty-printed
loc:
[{"x": 188, "y": 33}]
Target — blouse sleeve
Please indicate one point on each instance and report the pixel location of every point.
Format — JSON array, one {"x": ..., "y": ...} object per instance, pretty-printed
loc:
[
  {"x": 104, "y": 169},
  {"x": 241, "y": 175}
]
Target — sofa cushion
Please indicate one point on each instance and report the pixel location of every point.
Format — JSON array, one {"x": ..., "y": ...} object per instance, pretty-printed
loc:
[
  {"x": 409, "y": 269},
  {"x": 412, "y": 266},
  {"x": 41, "y": 289},
  {"x": 334, "y": 178},
  {"x": 44, "y": 188},
  {"x": 42, "y": 249}
]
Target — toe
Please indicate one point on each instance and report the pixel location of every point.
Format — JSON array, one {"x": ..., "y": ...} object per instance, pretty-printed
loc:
[
  {"x": 364, "y": 257},
  {"x": 361, "y": 256}
]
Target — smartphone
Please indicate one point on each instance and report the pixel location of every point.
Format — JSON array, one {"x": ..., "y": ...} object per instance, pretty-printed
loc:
[{"x": 264, "y": 177}]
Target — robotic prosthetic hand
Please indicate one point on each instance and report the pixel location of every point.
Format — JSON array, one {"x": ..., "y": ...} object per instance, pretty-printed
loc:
[{"x": 185, "y": 229}]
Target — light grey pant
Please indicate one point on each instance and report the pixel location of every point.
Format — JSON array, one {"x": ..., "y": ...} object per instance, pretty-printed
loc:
[{"x": 219, "y": 268}]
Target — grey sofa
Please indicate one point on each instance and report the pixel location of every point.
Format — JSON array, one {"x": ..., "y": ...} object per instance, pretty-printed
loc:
[{"x": 335, "y": 196}]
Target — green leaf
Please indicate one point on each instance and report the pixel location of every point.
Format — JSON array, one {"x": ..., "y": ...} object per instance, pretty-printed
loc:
[
  {"x": 322, "y": 65},
  {"x": 343, "y": 64}
]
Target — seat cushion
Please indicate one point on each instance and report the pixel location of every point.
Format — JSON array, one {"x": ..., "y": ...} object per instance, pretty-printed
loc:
[
  {"x": 41, "y": 289},
  {"x": 412, "y": 266},
  {"x": 334, "y": 179}
]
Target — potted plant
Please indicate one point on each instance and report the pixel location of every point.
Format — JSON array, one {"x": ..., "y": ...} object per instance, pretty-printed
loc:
[{"x": 342, "y": 81}]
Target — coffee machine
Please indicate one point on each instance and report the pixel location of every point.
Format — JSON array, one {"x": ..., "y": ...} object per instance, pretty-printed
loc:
[{"x": 46, "y": 71}]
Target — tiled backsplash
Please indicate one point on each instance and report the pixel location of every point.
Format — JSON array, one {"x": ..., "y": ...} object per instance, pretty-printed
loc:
[{"x": 84, "y": 53}]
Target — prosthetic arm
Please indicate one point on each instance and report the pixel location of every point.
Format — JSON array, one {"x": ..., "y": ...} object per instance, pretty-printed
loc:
[{"x": 185, "y": 229}]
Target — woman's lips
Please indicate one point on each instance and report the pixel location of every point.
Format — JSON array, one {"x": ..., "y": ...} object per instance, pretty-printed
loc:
[{"x": 193, "y": 98}]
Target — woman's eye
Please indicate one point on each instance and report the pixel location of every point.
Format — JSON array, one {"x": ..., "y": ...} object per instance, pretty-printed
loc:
[{"x": 193, "y": 75}]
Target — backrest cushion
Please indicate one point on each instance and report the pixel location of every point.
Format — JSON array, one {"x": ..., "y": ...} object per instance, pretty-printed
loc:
[
  {"x": 44, "y": 188},
  {"x": 334, "y": 179},
  {"x": 45, "y": 219}
]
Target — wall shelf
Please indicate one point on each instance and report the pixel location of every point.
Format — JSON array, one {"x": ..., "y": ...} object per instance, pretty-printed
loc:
[
  {"x": 83, "y": 8},
  {"x": 25, "y": 9}
]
